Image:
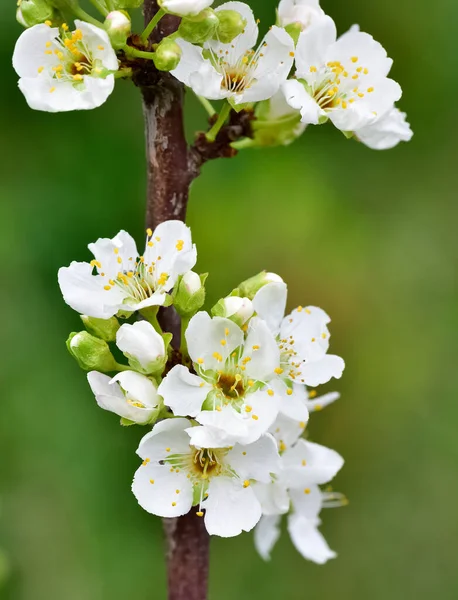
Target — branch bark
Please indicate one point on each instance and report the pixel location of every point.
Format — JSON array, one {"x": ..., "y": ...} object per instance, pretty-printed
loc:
[{"x": 170, "y": 171}]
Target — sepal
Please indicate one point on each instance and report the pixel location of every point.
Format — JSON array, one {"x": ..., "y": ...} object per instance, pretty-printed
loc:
[
  {"x": 189, "y": 294},
  {"x": 91, "y": 353},
  {"x": 105, "y": 329},
  {"x": 250, "y": 287}
]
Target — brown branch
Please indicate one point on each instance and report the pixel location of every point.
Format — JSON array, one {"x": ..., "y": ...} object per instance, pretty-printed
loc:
[{"x": 169, "y": 175}]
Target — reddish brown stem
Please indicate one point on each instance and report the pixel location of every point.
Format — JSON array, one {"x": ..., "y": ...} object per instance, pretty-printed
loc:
[{"x": 170, "y": 171}]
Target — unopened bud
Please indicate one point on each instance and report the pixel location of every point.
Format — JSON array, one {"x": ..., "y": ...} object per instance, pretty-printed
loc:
[
  {"x": 143, "y": 346},
  {"x": 118, "y": 26},
  {"x": 234, "y": 308},
  {"x": 276, "y": 123},
  {"x": 251, "y": 286},
  {"x": 34, "y": 12},
  {"x": 200, "y": 28},
  {"x": 91, "y": 353},
  {"x": 231, "y": 24},
  {"x": 105, "y": 329},
  {"x": 189, "y": 296},
  {"x": 167, "y": 55}
]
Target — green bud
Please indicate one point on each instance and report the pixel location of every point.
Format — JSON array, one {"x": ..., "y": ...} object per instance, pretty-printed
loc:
[
  {"x": 234, "y": 308},
  {"x": 91, "y": 353},
  {"x": 189, "y": 295},
  {"x": 34, "y": 12},
  {"x": 231, "y": 24},
  {"x": 105, "y": 329},
  {"x": 276, "y": 124},
  {"x": 167, "y": 55},
  {"x": 294, "y": 30},
  {"x": 200, "y": 28},
  {"x": 251, "y": 286},
  {"x": 119, "y": 27}
]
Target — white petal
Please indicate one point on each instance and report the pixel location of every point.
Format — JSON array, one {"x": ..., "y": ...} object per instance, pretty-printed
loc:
[
  {"x": 317, "y": 373},
  {"x": 312, "y": 46},
  {"x": 322, "y": 401},
  {"x": 184, "y": 392},
  {"x": 243, "y": 42},
  {"x": 138, "y": 387},
  {"x": 307, "y": 326},
  {"x": 230, "y": 507},
  {"x": 297, "y": 97},
  {"x": 307, "y": 463},
  {"x": 85, "y": 293},
  {"x": 270, "y": 303},
  {"x": 127, "y": 247},
  {"x": 386, "y": 132},
  {"x": 166, "y": 438},
  {"x": 156, "y": 487},
  {"x": 260, "y": 411},
  {"x": 307, "y": 502},
  {"x": 273, "y": 497},
  {"x": 266, "y": 535},
  {"x": 29, "y": 52},
  {"x": 141, "y": 342},
  {"x": 304, "y": 12},
  {"x": 198, "y": 73},
  {"x": 256, "y": 461},
  {"x": 262, "y": 350},
  {"x": 308, "y": 540},
  {"x": 222, "y": 428},
  {"x": 292, "y": 405},
  {"x": 185, "y": 7},
  {"x": 204, "y": 336},
  {"x": 287, "y": 431}
]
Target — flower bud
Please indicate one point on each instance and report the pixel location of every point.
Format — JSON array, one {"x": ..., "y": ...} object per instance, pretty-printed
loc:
[
  {"x": 231, "y": 24},
  {"x": 276, "y": 123},
  {"x": 200, "y": 28},
  {"x": 105, "y": 329},
  {"x": 251, "y": 286},
  {"x": 189, "y": 296},
  {"x": 143, "y": 346},
  {"x": 167, "y": 55},
  {"x": 234, "y": 308},
  {"x": 34, "y": 12},
  {"x": 91, "y": 353},
  {"x": 118, "y": 26}
]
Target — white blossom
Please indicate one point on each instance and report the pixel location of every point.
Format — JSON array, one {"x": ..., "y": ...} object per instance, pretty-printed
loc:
[
  {"x": 342, "y": 79},
  {"x": 303, "y": 337},
  {"x": 238, "y": 391},
  {"x": 142, "y": 345},
  {"x": 62, "y": 70},
  {"x": 129, "y": 395},
  {"x": 185, "y": 7},
  {"x": 176, "y": 475},
  {"x": 303, "y": 12},
  {"x": 119, "y": 279},
  {"x": 386, "y": 132},
  {"x": 235, "y": 71}
]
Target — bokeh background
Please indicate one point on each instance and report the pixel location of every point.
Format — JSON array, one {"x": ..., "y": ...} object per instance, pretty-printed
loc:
[{"x": 371, "y": 237}]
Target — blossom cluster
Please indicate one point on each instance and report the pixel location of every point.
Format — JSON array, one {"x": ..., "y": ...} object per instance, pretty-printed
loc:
[
  {"x": 227, "y": 406},
  {"x": 301, "y": 72}
]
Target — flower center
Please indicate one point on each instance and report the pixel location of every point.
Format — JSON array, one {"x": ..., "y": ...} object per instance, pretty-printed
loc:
[
  {"x": 207, "y": 462},
  {"x": 340, "y": 86},
  {"x": 231, "y": 385}
]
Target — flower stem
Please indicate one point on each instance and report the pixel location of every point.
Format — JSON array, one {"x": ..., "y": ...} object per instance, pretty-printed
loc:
[
  {"x": 139, "y": 53},
  {"x": 84, "y": 16},
  {"x": 184, "y": 344},
  {"x": 100, "y": 7},
  {"x": 152, "y": 24},
  {"x": 207, "y": 105},
  {"x": 224, "y": 113},
  {"x": 123, "y": 73}
]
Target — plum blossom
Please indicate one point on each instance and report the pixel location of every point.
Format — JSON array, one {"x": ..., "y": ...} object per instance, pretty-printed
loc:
[
  {"x": 235, "y": 71},
  {"x": 176, "y": 475},
  {"x": 119, "y": 279},
  {"x": 303, "y": 337},
  {"x": 61, "y": 70},
  {"x": 237, "y": 392},
  {"x": 344, "y": 80}
]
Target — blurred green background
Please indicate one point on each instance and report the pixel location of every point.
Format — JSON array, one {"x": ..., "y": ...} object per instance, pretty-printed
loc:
[{"x": 370, "y": 237}]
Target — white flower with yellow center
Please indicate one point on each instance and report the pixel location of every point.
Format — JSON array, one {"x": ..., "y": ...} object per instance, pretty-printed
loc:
[
  {"x": 342, "y": 79},
  {"x": 61, "y": 70},
  {"x": 387, "y": 132},
  {"x": 176, "y": 475},
  {"x": 119, "y": 279},
  {"x": 303, "y": 12},
  {"x": 303, "y": 337},
  {"x": 130, "y": 395},
  {"x": 237, "y": 391},
  {"x": 235, "y": 71}
]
